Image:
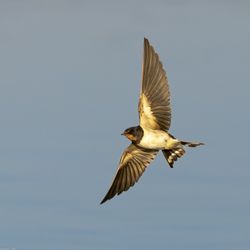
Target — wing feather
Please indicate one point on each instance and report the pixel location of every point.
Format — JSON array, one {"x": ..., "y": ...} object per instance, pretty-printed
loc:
[
  {"x": 154, "y": 103},
  {"x": 133, "y": 163}
]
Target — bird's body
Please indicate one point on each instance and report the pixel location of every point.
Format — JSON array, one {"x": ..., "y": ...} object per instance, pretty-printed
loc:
[
  {"x": 151, "y": 135},
  {"x": 155, "y": 139}
]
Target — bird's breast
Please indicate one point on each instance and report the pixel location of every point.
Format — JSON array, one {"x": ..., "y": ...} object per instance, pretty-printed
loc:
[{"x": 154, "y": 139}]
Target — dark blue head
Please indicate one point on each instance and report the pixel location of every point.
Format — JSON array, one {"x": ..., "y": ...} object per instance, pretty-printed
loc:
[{"x": 134, "y": 134}]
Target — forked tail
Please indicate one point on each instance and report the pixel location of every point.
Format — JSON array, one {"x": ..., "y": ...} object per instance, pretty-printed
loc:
[{"x": 172, "y": 155}]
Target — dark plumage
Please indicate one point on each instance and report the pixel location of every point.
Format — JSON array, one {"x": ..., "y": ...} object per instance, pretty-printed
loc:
[{"x": 135, "y": 133}]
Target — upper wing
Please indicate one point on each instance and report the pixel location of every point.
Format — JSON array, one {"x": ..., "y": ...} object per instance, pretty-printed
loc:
[
  {"x": 132, "y": 164},
  {"x": 154, "y": 103}
]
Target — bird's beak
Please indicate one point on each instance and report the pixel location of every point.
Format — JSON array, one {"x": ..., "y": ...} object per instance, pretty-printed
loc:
[{"x": 123, "y": 133}]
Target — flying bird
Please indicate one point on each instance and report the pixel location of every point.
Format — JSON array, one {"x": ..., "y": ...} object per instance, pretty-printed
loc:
[{"x": 151, "y": 135}]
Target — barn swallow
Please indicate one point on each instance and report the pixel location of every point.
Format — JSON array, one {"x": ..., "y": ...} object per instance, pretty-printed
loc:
[{"x": 151, "y": 135}]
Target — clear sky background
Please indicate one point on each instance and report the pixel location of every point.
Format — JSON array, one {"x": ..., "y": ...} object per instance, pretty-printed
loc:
[{"x": 69, "y": 83}]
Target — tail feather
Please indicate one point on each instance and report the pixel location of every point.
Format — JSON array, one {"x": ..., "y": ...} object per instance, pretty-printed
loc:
[
  {"x": 191, "y": 144},
  {"x": 172, "y": 155}
]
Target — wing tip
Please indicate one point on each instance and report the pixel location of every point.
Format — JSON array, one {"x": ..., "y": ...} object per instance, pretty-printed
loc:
[
  {"x": 104, "y": 200},
  {"x": 146, "y": 42}
]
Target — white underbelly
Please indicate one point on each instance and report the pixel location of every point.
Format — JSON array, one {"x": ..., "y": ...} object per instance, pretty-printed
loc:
[{"x": 154, "y": 139}]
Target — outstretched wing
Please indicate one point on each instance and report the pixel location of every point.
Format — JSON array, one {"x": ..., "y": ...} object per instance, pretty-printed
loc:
[
  {"x": 154, "y": 103},
  {"x": 133, "y": 162}
]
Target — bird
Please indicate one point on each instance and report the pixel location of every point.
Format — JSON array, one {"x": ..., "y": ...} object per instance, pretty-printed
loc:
[{"x": 151, "y": 135}]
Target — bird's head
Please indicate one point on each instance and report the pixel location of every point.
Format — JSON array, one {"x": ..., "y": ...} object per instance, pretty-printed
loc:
[{"x": 133, "y": 133}]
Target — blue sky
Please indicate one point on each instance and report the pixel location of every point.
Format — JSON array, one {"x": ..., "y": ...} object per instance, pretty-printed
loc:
[{"x": 70, "y": 76}]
